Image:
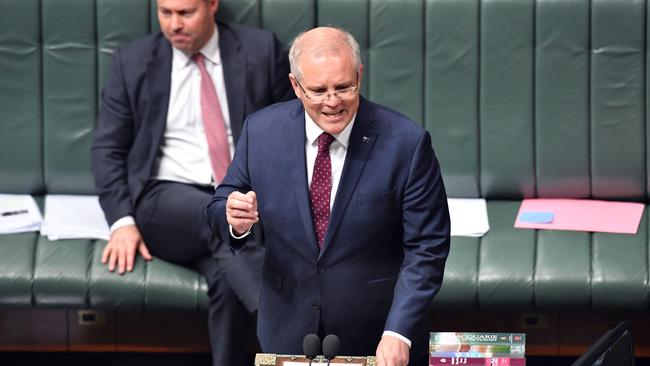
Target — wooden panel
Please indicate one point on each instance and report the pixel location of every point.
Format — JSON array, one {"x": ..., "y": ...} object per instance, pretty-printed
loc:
[
  {"x": 29, "y": 329},
  {"x": 542, "y": 332},
  {"x": 578, "y": 330},
  {"x": 91, "y": 331},
  {"x": 162, "y": 332},
  {"x": 547, "y": 333}
]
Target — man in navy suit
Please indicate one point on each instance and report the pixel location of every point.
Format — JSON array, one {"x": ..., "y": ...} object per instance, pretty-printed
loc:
[
  {"x": 150, "y": 156},
  {"x": 352, "y": 208}
]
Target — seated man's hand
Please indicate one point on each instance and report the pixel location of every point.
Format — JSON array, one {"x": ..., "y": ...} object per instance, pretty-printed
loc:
[
  {"x": 392, "y": 351},
  {"x": 121, "y": 249},
  {"x": 241, "y": 211}
]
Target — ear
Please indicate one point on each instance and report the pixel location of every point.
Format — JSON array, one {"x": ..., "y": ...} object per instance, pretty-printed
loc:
[
  {"x": 360, "y": 74},
  {"x": 214, "y": 6},
  {"x": 294, "y": 85}
]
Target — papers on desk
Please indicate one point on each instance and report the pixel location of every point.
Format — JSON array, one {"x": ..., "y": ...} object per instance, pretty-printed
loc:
[
  {"x": 18, "y": 214},
  {"x": 580, "y": 215},
  {"x": 74, "y": 217},
  {"x": 468, "y": 216}
]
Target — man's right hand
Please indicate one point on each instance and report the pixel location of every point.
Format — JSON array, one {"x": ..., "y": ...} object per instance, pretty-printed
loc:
[
  {"x": 121, "y": 249},
  {"x": 241, "y": 211}
]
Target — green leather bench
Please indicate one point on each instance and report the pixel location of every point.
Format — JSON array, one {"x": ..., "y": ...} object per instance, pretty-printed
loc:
[{"x": 523, "y": 99}]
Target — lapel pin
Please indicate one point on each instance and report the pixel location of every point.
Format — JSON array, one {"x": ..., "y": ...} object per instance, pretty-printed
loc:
[{"x": 365, "y": 139}]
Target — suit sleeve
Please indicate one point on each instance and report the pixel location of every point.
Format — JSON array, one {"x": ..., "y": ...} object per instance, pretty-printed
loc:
[
  {"x": 236, "y": 179},
  {"x": 426, "y": 228},
  {"x": 280, "y": 85},
  {"x": 112, "y": 141}
]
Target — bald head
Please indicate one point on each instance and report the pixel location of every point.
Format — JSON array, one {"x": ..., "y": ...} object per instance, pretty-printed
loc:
[{"x": 323, "y": 42}]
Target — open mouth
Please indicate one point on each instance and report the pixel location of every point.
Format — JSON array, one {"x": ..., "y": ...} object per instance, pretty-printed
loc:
[{"x": 333, "y": 114}]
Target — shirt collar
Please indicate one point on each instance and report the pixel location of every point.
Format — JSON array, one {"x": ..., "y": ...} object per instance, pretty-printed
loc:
[
  {"x": 210, "y": 51},
  {"x": 313, "y": 131}
]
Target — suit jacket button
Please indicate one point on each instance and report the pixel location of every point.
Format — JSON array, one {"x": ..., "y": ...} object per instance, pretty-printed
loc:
[
  {"x": 321, "y": 269},
  {"x": 315, "y": 305}
]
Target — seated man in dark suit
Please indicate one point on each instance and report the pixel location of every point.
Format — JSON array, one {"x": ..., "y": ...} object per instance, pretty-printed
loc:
[
  {"x": 170, "y": 113},
  {"x": 352, "y": 207}
]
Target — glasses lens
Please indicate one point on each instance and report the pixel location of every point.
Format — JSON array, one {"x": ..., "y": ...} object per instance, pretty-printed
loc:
[
  {"x": 341, "y": 94},
  {"x": 347, "y": 93}
]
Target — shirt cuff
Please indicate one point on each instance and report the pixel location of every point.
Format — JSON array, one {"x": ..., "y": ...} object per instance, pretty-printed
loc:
[
  {"x": 122, "y": 221},
  {"x": 398, "y": 336},
  {"x": 242, "y": 236}
]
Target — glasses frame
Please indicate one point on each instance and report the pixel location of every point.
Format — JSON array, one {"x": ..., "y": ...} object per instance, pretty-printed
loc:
[{"x": 354, "y": 89}]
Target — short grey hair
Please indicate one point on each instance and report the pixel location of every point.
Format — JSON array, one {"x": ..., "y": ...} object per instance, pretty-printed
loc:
[{"x": 298, "y": 49}]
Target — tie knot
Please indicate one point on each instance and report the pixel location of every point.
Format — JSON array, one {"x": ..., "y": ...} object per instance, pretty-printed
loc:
[
  {"x": 324, "y": 141},
  {"x": 199, "y": 60},
  {"x": 198, "y": 57}
]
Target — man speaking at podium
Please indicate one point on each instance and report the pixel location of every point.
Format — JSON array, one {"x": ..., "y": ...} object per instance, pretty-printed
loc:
[{"x": 352, "y": 208}]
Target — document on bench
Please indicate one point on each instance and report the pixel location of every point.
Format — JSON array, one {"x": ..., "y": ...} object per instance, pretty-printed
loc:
[
  {"x": 468, "y": 216},
  {"x": 74, "y": 217},
  {"x": 580, "y": 215},
  {"x": 18, "y": 214}
]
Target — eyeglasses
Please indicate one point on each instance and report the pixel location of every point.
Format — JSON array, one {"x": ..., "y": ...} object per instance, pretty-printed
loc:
[{"x": 318, "y": 97}]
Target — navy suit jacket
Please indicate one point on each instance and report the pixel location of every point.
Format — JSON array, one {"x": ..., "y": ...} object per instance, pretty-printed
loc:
[
  {"x": 386, "y": 245},
  {"x": 135, "y": 99}
]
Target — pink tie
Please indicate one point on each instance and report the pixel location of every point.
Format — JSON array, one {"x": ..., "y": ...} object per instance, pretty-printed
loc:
[
  {"x": 321, "y": 187},
  {"x": 213, "y": 123}
]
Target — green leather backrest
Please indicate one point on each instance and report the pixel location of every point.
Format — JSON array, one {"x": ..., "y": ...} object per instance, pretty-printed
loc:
[
  {"x": 538, "y": 98},
  {"x": 69, "y": 85},
  {"x": 523, "y": 98},
  {"x": 20, "y": 97}
]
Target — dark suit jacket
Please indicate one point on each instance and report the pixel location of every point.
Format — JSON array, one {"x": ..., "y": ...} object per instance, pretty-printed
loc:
[
  {"x": 135, "y": 98},
  {"x": 388, "y": 238}
]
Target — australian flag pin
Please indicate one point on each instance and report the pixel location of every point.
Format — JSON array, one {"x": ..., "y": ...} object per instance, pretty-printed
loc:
[{"x": 365, "y": 139}]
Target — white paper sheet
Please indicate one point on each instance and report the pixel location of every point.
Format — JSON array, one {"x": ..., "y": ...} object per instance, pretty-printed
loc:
[
  {"x": 74, "y": 217},
  {"x": 468, "y": 216},
  {"x": 18, "y": 214}
]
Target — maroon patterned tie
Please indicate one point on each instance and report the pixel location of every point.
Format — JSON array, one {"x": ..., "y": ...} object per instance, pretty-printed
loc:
[
  {"x": 321, "y": 187},
  {"x": 213, "y": 123}
]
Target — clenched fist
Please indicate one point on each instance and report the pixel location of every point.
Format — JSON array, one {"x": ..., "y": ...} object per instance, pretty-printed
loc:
[{"x": 241, "y": 211}]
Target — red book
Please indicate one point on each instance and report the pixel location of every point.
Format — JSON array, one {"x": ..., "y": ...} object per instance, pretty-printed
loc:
[{"x": 477, "y": 361}]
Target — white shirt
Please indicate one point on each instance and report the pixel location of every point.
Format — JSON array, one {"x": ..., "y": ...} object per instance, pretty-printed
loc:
[
  {"x": 338, "y": 151},
  {"x": 184, "y": 152}
]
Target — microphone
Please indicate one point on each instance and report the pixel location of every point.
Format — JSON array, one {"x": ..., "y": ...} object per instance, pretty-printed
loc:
[
  {"x": 331, "y": 347},
  {"x": 311, "y": 346}
]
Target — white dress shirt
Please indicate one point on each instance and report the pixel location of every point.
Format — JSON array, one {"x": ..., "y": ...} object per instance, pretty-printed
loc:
[
  {"x": 184, "y": 152},
  {"x": 338, "y": 151}
]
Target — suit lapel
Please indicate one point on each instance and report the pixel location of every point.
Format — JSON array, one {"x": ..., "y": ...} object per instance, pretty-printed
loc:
[
  {"x": 234, "y": 74},
  {"x": 294, "y": 130},
  {"x": 159, "y": 71},
  {"x": 362, "y": 140}
]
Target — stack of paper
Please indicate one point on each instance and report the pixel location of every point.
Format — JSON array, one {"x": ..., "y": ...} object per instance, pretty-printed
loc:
[
  {"x": 18, "y": 214},
  {"x": 468, "y": 216},
  {"x": 74, "y": 217}
]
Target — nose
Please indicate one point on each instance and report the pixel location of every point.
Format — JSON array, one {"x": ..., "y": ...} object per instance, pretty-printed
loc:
[
  {"x": 332, "y": 100},
  {"x": 176, "y": 23}
]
